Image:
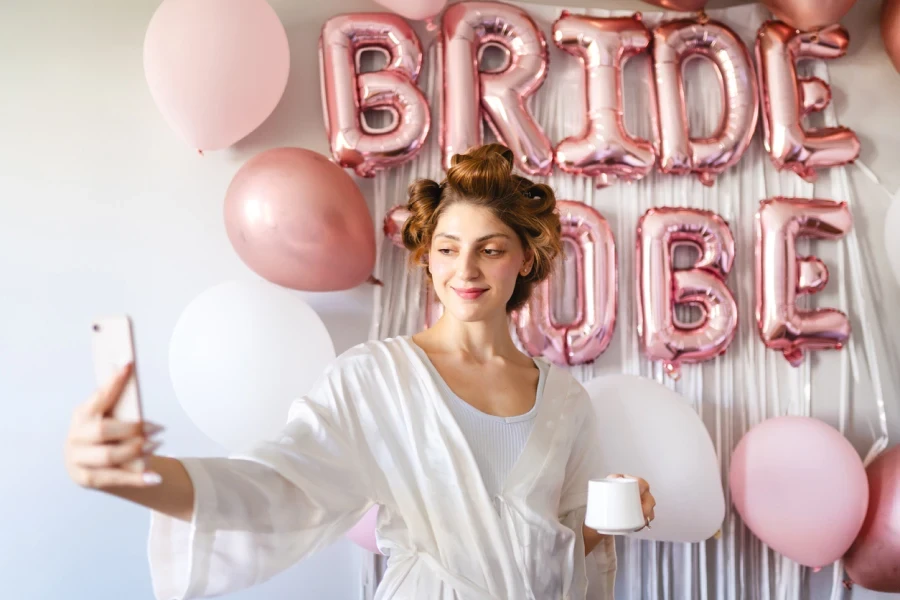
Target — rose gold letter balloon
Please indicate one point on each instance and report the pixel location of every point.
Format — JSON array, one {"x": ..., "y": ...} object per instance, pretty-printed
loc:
[
  {"x": 300, "y": 221},
  {"x": 347, "y": 93},
  {"x": 588, "y": 335},
  {"x": 675, "y": 42},
  {"x": 468, "y": 29},
  {"x": 873, "y": 560},
  {"x": 781, "y": 275},
  {"x": 660, "y": 287},
  {"x": 603, "y": 149},
  {"x": 787, "y": 98}
]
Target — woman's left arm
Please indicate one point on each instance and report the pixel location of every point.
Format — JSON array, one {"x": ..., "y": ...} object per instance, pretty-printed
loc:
[{"x": 591, "y": 539}]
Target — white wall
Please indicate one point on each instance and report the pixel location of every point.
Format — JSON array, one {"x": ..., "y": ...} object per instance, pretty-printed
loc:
[{"x": 103, "y": 209}]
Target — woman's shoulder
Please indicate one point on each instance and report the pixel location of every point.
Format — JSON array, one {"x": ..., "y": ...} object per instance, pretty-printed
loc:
[
  {"x": 370, "y": 355},
  {"x": 563, "y": 384}
]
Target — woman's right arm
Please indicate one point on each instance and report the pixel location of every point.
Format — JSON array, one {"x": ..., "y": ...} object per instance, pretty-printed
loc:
[
  {"x": 219, "y": 525},
  {"x": 117, "y": 457}
]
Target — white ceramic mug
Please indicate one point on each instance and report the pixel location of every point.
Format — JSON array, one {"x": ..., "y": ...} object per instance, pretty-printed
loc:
[{"x": 614, "y": 505}]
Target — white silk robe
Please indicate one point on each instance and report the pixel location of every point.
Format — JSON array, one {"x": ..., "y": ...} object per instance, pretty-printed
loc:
[{"x": 375, "y": 430}]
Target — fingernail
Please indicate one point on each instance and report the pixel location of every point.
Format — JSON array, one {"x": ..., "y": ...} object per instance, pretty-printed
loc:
[
  {"x": 151, "y": 447},
  {"x": 152, "y": 428},
  {"x": 151, "y": 478}
]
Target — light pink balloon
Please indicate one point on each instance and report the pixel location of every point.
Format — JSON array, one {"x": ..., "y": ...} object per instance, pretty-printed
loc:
[
  {"x": 660, "y": 287},
  {"x": 809, "y": 15},
  {"x": 499, "y": 96},
  {"x": 675, "y": 42},
  {"x": 414, "y": 10},
  {"x": 363, "y": 533},
  {"x": 782, "y": 276},
  {"x": 874, "y": 559},
  {"x": 800, "y": 486},
  {"x": 347, "y": 93},
  {"x": 604, "y": 149},
  {"x": 584, "y": 339},
  {"x": 787, "y": 98},
  {"x": 216, "y": 69},
  {"x": 300, "y": 221}
]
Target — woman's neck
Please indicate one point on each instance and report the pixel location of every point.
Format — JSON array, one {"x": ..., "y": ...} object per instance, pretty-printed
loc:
[{"x": 481, "y": 341}]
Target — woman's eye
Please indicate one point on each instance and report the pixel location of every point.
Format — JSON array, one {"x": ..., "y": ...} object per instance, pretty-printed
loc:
[
  {"x": 493, "y": 252},
  {"x": 445, "y": 251}
]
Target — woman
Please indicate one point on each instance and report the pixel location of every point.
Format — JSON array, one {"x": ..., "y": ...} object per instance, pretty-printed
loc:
[{"x": 477, "y": 455}]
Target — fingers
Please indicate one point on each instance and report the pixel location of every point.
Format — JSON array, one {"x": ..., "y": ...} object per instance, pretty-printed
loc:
[
  {"x": 113, "y": 455},
  {"x": 104, "y": 400},
  {"x": 648, "y": 505},
  {"x": 101, "y": 431},
  {"x": 110, "y": 478}
]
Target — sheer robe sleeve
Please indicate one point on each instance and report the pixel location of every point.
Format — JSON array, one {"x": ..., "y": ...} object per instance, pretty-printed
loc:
[
  {"x": 257, "y": 513},
  {"x": 584, "y": 465}
]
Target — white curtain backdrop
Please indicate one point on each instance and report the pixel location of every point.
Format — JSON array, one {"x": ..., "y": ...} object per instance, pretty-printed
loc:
[{"x": 731, "y": 393}]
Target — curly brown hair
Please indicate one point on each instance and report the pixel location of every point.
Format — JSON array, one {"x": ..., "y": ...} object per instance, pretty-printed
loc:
[{"x": 484, "y": 177}]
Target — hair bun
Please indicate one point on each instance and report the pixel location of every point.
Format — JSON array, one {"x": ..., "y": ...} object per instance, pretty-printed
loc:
[
  {"x": 486, "y": 171},
  {"x": 424, "y": 198}
]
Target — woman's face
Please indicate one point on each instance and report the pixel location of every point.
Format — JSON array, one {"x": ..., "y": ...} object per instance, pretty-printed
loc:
[{"x": 475, "y": 260}]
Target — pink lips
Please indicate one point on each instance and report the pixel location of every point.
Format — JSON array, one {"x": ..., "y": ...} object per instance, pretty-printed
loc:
[{"x": 469, "y": 293}]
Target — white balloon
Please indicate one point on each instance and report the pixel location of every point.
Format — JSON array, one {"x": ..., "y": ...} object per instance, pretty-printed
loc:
[
  {"x": 891, "y": 239},
  {"x": 650, "y": 431},
  {"x": 240, "y": 354}
]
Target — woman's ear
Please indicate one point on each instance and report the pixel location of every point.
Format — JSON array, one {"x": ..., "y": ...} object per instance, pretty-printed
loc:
[{"x": 527, "y": 264}]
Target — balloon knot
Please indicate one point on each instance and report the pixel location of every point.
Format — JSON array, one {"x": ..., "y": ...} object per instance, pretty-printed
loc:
[
  {"x": 848, "y": 584},
  {"x": 199, "y": 151},
  {"x": 375, "y": 281}
]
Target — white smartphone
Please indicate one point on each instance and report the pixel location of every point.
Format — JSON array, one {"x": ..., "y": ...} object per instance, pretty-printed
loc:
[{"x": 113, "y": 347}]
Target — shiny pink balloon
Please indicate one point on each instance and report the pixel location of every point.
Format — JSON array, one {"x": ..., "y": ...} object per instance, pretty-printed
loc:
[
  {"x": 890, "y": 30},
  {"x": 393, "y": 224},
  {"x": 781, "y": 275},
  {"x": 363, "y": 533},
  {"x": 808, "y": 15},
  {"x": 499, "y": 96},
  {"x": 414, "y": 10},
  {"x": 300, "y": 221},
  {"x": 660, "y": 287},
  {"x": 873, "y": 560},
  {"x": 787, "y": 98},
  {"x": 585, "y": 338},
  {"x": 604, "y": 149},
  {"x": 800, "y": 487},
  {"x": 675, "y": 42},
  {"x": 215, "y": 69},
  {"x": 685, "y": 5},
  {"x": 347, "y": 93}
]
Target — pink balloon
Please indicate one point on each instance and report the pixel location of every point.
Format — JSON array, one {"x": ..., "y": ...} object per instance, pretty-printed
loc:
[
  {"x": 781, "y": 275},
  {"x": 414, "y": 10},
  {"x": 363, "y": 533},
  {"x": 800, "y": 486},
  {"x": 890, "y": 30},
  {"x": 300, "y": 221},
  {"x": 873, "y": 560},
  {"x": 347, "y": 93},
  {"x": 660, "y": 286},
  {"x": 675, "y": 42},
  {"x": 393, "y": 224},
  {"x": 787, "y": 98},
  {"x": 604, "y": 149},
  {"x": 808, "y": 15},
  {"x": 499, "y": 96},
  {"x": 215, "y": 69},
  {"x": 589, "y": 334},
  {"x": 685, "y": 5}
]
